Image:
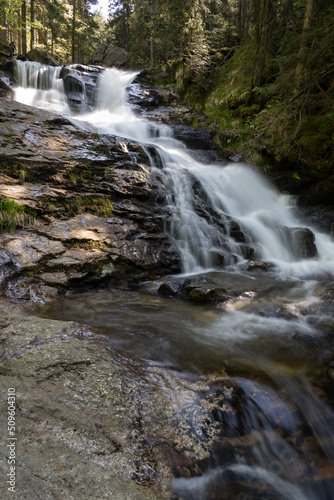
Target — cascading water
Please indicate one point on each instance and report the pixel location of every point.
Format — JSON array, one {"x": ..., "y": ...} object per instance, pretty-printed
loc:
[
  {"x": 40, "y": 85},
  {"x": 233, "y": 192},
  {"x": 219, "y": 214}
]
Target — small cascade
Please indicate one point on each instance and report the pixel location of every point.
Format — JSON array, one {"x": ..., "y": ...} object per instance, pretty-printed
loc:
[
  {"x": 41, "y": 86},
  {"x": 277, "y": 462}
]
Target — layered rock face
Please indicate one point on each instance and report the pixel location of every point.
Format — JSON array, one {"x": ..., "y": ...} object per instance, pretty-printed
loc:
[{"x": 89, "y": 207}]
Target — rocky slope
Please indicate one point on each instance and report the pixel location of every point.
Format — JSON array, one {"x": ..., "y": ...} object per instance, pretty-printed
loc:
[{"x": 89, "y": 210}]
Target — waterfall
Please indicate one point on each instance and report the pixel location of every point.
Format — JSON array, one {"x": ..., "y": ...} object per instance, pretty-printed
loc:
[
  {"x": 234, "y": 194},
  {"x": 221, "y": 214},
  {"x": 40, "y": 85}
]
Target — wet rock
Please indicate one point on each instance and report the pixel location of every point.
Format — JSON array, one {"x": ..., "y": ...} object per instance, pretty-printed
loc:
[
  {"x": 80, "y": 86},
  {"x": 128, "y": 179},
  {"x": 5, "y": 90},
  {"x": 248, "y": 252},
  {"x": 170, "y": 288},
  {"x": 198, "y": 295},
  {"x": 207, "y": 294},
  {"x": 54, "y": 278},
  {"x": 201, "y": 290},
  {"x": 89, "y": 418},
  {"x": 236, "y": 232},
  {"x": 300, "y": 241},
  {"x": 28, "y": 194},
  {"x": 77, "y": 258},
  {"x": 259, "y": 265},
  {"x": 319, "y": 216},
  {"x": 62, "y": 172},
  {"x": 25, "y": 249},
  {"x": 194, "y": 138},
  {"x": 6, "y": 62},
  {"x": 63, "y": 451},
  {"x": 143, "y": 97},
  {"x": 31, "y": 290},
  {"x": 304, "y": 241}
]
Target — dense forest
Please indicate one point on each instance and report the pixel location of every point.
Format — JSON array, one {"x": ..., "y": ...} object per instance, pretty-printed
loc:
[
  {"x": 66, "y": 29},
  {"x": 261, "y": 71}
]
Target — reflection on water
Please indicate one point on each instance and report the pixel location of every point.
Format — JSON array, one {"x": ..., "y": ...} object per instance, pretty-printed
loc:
[
  {"x": 186, "y": 335},
  {"x": 276, "y": 364}
]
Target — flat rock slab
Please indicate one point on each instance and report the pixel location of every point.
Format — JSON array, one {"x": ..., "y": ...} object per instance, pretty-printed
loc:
[
  {"x": 63, "y": 445},
  {"x": 81, "y": 227},
  {"x": 25, "y": 249},
  {"x": 36, "y": 135},
  {"x": 91, "y": 423},
  {"x": 78, "y": 257},
  {"x": 28, "y": 194}
]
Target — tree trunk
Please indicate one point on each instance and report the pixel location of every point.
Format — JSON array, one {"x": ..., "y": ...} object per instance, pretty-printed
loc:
[
  {"x": 262, "y": 39},
  {"x": 24, "y": 27},
  {"x": 288, "y": 12},
  {"x": 19, "y": 34},
  {"x": 73, "y": 31},
  {"x": 151, "y": 37},
  {"x": 32, "y": 19},
  {"x": 308, "y": 15},
  {"x": 243, "y": 24},
  {"x": 3, "y": 31},
  {"x": 306, "y": 26}
]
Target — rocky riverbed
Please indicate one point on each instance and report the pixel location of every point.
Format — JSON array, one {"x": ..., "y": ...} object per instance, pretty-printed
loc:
[{"x": 91, "y": 423}]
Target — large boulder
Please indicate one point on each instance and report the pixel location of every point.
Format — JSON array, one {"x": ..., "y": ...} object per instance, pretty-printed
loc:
[
  {"x": 41, "y": 56},
  {"x": 91, "y": 208},
  {"x": 80, "y": 86},
  {"x": 109, "y": 55}
]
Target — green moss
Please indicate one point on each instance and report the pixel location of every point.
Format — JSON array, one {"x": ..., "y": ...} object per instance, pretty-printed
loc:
[
  {"x": 73, "y": 177},
  {"x": 233, "y": 83},
  {"x": 97, "y": 205},
  {"x": 88, "y": 244},
  {"x": 13, "y": 215},
  {"x": 23, "y": 173}
]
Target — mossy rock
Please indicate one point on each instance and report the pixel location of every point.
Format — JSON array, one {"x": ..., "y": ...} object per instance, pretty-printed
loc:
[{"x": 198, "y": 295}]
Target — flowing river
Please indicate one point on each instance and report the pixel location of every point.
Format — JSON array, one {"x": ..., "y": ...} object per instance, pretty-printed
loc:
[{"x": 276, "y": 342}]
